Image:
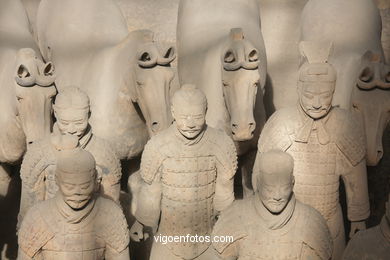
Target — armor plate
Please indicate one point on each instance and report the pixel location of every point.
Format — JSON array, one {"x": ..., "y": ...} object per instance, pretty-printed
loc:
[
  {"x": 305, "y": 229},
  {"x": 316, "y": 181},
  {"x": 187, "y": 203}
]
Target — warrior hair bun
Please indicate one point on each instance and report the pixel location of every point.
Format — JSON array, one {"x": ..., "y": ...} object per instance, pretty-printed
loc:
[{"x": 64, "y": 142}]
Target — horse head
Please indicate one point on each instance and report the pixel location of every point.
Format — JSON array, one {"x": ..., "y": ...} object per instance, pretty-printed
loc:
[
  {"x": 371, "y": 99},
  {"x": 153, "y": 77},
  {"x": 241, "y": 79},
  {"x": 34, "y": 91}
]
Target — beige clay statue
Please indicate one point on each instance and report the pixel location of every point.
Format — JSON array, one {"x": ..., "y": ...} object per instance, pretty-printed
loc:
[
  {"x": 326, "y": 143},
  {"x": 71, "y": 110},
  {"x": 76, "y": 223},
  {"x": 373, "y": 243},
  {"x": 187, "y": 177},
  {"x": 272, "y": 224}
]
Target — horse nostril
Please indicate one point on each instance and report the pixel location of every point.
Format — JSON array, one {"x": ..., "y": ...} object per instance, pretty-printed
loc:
[
  {"x": 234, "y": 125},
  {"x": 155, "y": 126},
  {"x": 379, "y": 154},
  {"x": 30, "y": 142}
]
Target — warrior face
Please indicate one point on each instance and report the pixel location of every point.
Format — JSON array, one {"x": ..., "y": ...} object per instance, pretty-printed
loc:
[
  {"x": 190, "y": 120},
  {"x": 315, "y": 98},
  {"x": 72, "y": 121},
  {"x": 71, "y": 110},
  {"x": 75, "y": 173},
  {"x": 76, "y": 188},
  {"x": 275, "y": 182},
  {"x": 189, "y": 111}
]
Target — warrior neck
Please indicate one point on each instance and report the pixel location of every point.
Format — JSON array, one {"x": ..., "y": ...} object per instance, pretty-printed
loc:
[
  {"x": 188, "y": 142},
  {"x": 70, "y": 215},
  {"x": 275, "y": 221}
]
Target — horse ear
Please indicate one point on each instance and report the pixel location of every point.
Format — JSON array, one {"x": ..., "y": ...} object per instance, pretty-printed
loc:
[
  {"x": 253, "y": 55},
  {"x": 48, "y": 69},
  {"x": 23, "y": 76},
  {"x": 46, "y": 75},
  {"x": 367, "y": 74},
  {"x": 229, "y": 56},
  {"x": 147, "y": 56},
  {"x": 168, "y": 55}
]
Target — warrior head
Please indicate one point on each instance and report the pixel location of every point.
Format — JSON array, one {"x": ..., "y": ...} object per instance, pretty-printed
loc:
[
  {"x": 71, "y": 110},
  {"x": 189, "y": 106},
  {"x": 75, "y": 173},
  {"x": 275, "y": 180},
  {"x": 317, "y": 80}
]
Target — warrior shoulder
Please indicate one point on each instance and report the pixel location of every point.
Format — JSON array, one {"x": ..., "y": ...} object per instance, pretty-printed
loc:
[
  {"x": 152, "y": 156},
  {"x": 277, "y": 130},
  {"x": 38, "y": 156},
  {"x": 105, "y": 157},
  {"x": 101, "y": 149},
  {"x": 34, "y": 231},
  {"x": 315, "y": 230},
  {"x": 224, "y": 148},
  {"x": 231, "y": 223},
  {"x": 114, "y": 229},
  {"x": 349, "y": 135}
]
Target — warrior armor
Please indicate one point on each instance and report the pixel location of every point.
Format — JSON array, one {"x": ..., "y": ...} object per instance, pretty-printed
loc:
[
  {"x": 324, "y": 151},
  {"x": 373, "y": 243},
  {"x": 196, "y": 182},
  {"x": 304, "y": 234},
  {"x": 45, "y": 228},
  {"x": 38, "y": 170}
]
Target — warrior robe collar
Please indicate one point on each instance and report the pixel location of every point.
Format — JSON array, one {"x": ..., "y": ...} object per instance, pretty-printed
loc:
[
  {"x": 70, "y": 215},
  {"x": 309, "y": 124},
  {"x": 186, "y": 141},
  {"x": 273, "y": 221},
  {"x": 84, "y": 140}
]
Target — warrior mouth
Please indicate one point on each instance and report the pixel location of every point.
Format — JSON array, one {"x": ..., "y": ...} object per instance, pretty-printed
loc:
[
  {"x": 78, "y": 201},
  {"x": 191, "y": 131}
]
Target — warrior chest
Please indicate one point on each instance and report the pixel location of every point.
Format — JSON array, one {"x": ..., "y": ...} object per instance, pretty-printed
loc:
[
  {"x": 190, "y": 175},
  {"x": 74, "y": 241},
  {"x": 270, "y": 245},
  {"x": 313, "y": 157}
]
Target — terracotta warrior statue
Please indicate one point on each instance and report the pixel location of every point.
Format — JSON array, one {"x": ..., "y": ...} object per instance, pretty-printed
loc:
[
  {"x": 187, "y": 179},
  {"x": 373, "y": 243},
  {"x": 77, "y": 223},
  {"x": 326, "y": 142},
  {"x": 71, "y": 110},
  {"x": 273, "y": 224}
]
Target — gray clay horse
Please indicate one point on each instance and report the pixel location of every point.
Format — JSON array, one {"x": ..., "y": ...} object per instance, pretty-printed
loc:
[{"x": 117, "y": 69}]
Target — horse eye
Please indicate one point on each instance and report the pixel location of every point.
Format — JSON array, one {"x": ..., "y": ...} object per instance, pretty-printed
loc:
[{"x": 139, "y": 83}]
